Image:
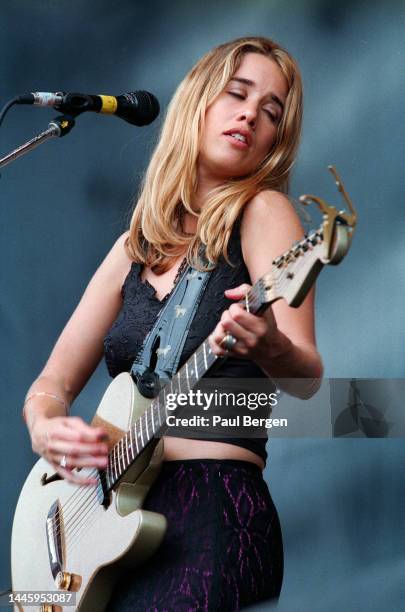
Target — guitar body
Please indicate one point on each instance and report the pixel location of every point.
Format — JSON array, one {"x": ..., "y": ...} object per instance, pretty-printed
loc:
[
  {"x": 76, "y": 539},
  {"x": 84, "y": 544}
]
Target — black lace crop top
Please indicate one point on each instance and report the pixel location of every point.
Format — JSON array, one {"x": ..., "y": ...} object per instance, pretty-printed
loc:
[{"x": 141, "y": 307}]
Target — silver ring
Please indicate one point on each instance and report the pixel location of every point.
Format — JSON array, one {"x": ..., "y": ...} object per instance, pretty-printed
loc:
[
  {"x": 228, "y": 342},
  {"x": 63, "y": 462}
]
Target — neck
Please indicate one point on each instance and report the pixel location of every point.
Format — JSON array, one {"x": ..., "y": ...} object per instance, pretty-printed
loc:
[{"x": 206, "y": 184}]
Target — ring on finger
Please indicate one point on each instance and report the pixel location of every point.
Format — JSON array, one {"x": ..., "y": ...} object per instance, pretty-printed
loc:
[
  {"x": 228, "y": 342},
  {"x": 63, "y": 462}
]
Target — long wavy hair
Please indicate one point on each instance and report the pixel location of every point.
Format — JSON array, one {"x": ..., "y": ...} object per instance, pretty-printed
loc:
[{"x": 156, "y": 234}]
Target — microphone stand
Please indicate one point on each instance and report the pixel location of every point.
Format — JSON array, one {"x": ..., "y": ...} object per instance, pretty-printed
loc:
[{"x": 60, "y": 126}]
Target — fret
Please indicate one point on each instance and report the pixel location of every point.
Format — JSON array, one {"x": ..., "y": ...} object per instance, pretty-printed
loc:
[
  {"x": 119, "y": 458},
  {"x": 187, "y": 376},
  {"x": 136, "y": 439},
  {"x": 126, "y": 448},
  {"x": 153, "y": 420},
  {"x": 115, "y": 461},
  {"x": 205, "y": 356},
  {"x": 131, "y": 442},
  {"x": 140, "y": 422},
  {"x": 195, "y": 365},
  {"x": 146, "y": 423},
  {"x": 158, "y": 411}
]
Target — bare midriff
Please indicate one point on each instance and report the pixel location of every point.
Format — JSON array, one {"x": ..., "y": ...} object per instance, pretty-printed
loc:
[{"x": 182, "y": 448}]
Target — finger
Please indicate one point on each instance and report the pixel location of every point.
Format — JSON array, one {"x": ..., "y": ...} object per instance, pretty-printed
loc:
[
  {"x": 251, "y": 322},
  {"x": 87, "y": 432},
  {"x": 68, "y": 447},
  {"x": 76, "y": 432},
  {"x": 73, "y": 478},
  {"x": 74, "y": 428},
  {"x": 242, "y": 335},
  {"x": 215, "y": 340},
  {"x": 80, "y": 461},
  {"x": 237, "y": 293}
]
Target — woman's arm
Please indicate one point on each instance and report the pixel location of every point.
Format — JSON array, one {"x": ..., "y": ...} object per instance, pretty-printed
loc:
[
  {"x": 282, "y": 342},
  {"x": 74, "y": 358}
]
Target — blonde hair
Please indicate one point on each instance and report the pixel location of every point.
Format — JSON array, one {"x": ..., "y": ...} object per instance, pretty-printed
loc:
[{"x": 156, "y": 234}]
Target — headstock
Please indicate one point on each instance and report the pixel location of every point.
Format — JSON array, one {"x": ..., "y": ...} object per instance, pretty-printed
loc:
[
  {"x": 338, "y": 226},
  {"x": 294, "y": 272}
]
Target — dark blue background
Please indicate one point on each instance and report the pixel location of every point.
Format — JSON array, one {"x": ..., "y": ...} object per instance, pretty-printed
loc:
[{"x": 341, "y": 502}]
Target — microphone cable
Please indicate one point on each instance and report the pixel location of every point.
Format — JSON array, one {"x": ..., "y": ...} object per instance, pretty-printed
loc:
[{"x": 7, "y": 107}]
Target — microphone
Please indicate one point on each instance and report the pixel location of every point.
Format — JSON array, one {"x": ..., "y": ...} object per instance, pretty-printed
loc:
[{"x": 137, "y": 107}]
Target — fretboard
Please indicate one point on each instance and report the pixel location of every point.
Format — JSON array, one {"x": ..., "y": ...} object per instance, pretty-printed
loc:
[{"x": 152, "y": 423}]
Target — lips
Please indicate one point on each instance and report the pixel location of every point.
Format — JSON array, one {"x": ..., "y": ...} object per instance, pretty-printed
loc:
[{"x": 242, "y": 132}]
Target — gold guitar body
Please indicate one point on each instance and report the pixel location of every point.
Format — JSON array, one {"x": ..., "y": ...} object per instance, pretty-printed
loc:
[{"x": 89, "y": 542}]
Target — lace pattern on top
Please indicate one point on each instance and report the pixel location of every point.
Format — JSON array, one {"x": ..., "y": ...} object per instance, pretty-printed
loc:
[{"x": 141, "y": 307}]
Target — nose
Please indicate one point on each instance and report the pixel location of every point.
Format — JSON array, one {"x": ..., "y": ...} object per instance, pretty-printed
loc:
[{"x": 248, "y": 114}]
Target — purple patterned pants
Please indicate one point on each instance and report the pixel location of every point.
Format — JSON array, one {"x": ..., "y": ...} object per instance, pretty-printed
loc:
[{"x": 223, "y": 547}]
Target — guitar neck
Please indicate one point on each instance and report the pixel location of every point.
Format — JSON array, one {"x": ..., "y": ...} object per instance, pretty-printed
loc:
[{"x": 291, "y": 276}]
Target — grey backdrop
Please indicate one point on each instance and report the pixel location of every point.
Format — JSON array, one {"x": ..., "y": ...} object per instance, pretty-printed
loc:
[{"x": 341, "y": 502}]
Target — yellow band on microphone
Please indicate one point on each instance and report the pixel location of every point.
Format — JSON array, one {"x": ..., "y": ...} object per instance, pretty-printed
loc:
[{"x": 109, "y": 104}]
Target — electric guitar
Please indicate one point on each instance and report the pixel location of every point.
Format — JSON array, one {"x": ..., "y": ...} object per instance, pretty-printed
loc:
[{"x": 69, "y": 543}]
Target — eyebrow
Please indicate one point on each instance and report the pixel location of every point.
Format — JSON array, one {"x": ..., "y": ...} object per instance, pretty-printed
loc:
[{"x": 273, "y": 96}]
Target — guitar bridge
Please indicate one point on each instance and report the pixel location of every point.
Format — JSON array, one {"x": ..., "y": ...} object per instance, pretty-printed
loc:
[{"x": 54, "y": 534}]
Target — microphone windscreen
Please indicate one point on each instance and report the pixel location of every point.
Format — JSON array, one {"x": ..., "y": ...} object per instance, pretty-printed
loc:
[{"x": 143, "y": 108}]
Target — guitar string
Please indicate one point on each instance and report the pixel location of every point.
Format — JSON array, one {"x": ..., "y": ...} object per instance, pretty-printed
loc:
[
  {"x": 92, "y": 496},
  {"x": 122, "y": 455},
  {"x": 90, "y": 518},
  {"x": 73, "y": 499},
  {"x": 93, "y": 493},
  {"x": 63, "y": 517},
  {"x": 73, "y": 535},
  {"x": 253, "y": 303},
  {"x": 71, "y": 526}
]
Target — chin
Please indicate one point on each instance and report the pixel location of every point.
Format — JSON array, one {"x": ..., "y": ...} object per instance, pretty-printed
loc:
[{"x": 228, "y": 171}]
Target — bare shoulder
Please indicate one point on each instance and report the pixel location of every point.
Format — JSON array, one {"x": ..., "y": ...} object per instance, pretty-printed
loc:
[
  {"x": 117, "y": 263},
  {"x": 270, "y": 225},
  {"x": 272, "y": 208},
  {"x": 80, "y": 345},
  {"x": 118, "y": 252}
]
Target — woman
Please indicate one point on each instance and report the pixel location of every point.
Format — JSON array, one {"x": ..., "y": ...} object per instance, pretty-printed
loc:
[{"x": 218, "y": 178}]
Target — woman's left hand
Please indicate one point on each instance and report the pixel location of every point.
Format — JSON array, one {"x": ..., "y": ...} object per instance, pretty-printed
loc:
[{"x": 254, "y": 334}]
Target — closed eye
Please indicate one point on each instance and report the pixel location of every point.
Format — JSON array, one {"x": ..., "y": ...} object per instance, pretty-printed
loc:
[
  {"x": 236, "y": 95},
  {"x": 274, "y": 118}
]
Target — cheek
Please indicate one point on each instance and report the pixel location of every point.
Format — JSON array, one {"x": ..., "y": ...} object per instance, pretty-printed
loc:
[
  {"x": 269, "y": 140},
  {"x": 208, "y": 130}
]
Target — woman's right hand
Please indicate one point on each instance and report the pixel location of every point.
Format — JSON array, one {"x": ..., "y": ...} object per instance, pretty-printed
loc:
[{"x": 74, "y": 440}]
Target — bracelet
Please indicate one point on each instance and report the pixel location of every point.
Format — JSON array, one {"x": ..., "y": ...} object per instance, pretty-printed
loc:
[{"x": 58, "y": 399}]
